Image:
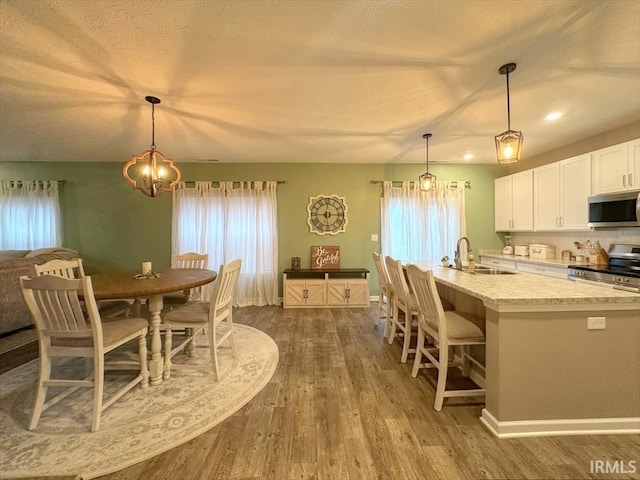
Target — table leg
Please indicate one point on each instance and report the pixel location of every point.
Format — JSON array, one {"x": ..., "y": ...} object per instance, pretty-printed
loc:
[{"x": 156, "y": 365}]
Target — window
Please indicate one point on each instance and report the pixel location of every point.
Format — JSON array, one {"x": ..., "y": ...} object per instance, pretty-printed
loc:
[
  {"x": 29, "y": 215},
  {"x": 228, "y": 222},
  {"x": 419, "y": 226}
]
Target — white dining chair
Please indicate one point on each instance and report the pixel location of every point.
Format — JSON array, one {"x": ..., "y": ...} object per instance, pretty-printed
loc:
[
  {"x": 446, "y": 329},
  {"x": 186, "y": 260},
  {"x": 215, "y": 316},
  {"x": 65, "y": 331},
  {"x": 385, "y": 294},
  {"x": 403, "y": 301},
  {"x": 74, "y": 269}
]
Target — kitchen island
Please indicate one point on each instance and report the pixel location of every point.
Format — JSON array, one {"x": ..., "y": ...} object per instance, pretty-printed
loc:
[{"x": 550, "y": 366}]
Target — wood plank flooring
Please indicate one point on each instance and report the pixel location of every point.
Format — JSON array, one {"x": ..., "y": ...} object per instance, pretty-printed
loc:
[{"x": 342, "y": 406}]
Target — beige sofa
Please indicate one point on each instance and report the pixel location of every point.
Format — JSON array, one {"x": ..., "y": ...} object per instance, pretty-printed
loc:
[{"x": 14, "y": 313}]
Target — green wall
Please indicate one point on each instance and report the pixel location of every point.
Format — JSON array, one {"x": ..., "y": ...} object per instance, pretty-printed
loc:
[{"x": 115, "y": 227}]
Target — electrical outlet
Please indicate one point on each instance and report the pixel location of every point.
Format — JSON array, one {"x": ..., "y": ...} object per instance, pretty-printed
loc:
[{"x": 596, "y": 323}]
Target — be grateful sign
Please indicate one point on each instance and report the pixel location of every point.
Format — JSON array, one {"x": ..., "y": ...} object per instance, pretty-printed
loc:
[{"x": 323, "y": 257}]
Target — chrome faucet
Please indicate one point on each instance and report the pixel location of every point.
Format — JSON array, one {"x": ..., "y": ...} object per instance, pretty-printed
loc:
[{"x": 457, "y": 260}]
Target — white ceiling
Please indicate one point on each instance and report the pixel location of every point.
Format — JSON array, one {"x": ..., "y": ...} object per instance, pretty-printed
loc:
[{"x": 355, "y": 81}]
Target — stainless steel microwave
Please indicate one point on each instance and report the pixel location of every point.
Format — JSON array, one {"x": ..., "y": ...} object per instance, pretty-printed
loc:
[{"x": 615, "y": 210}]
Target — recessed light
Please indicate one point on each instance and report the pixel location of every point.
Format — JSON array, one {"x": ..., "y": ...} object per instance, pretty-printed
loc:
[
  {"x": 468, "y": 156},
  {"x": 553, "y": 116}
]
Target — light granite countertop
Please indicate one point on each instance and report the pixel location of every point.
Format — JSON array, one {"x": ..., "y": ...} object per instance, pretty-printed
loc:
[{"x": 530, "y": 289}]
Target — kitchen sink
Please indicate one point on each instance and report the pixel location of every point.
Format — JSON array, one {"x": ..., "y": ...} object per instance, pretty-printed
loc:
[
  {"x": 482, "y": 270},
  {"x": 492, "y": 271}
]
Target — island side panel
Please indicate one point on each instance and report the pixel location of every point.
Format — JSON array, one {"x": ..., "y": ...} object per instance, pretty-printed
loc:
[{"x": 548, "y": 366}]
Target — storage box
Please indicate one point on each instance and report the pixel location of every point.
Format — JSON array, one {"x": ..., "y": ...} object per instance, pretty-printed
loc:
[
  {"x": 521, "y": 250},
  {"x": 539, "y": 250}
]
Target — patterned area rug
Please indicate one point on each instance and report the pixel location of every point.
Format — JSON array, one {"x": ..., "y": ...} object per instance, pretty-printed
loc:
[{"x": 140, "y": 425}]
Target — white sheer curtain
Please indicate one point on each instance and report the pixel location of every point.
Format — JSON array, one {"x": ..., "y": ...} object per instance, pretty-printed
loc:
[
  {"x": 419, "y": 226},
  {"x": 29, "y": 215},
  {"x": 234, "y": 220}
]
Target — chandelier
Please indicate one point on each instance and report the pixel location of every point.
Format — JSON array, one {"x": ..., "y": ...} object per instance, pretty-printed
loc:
[
  {"x": 150, "y": 171},
  {"x": 508, "y": 143},
  {"x": 427, "y": 180}
]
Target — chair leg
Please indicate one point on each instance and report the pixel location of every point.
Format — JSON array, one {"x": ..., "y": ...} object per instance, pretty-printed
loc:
[
  {"x": 464, "y": 353},
  {"x": 389, "y": 318},
  {"x": 376, "y": 321},
  {"x": 189, "y": 348},
  {"x": 168, "y": 341},
  {"x": 443, "y": 367},
  {"x": 213, "y": 352},
  {"x": 394, "y": 319},
  {"x": 41, "y": 390},
  {"x": 408, "y": 325},
  {"x": 98, "y": 390},
  {"x": 142, "y": 353},
  {"x": 232, "y": 339},
  {"x": 420, "y": 345}
]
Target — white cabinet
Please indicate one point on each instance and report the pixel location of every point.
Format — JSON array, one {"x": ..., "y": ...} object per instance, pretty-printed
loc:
[
  {"x": 560, "y": 194},
  {"x": 325, "y": 288},
  {"x": 514, "y": 202},
  {"x": 634, "y": 165},
  {"x": 347, "y": 292},
  {"x": 503, "y": 201},
  {"x": 617, "y": 168},
  {"x": 305, "y": 293}
]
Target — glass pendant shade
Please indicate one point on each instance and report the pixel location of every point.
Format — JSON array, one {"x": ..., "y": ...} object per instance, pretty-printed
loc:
[
  {"x": 427, "y": 180},
  {"x": 508, "y": 143},
  {"x": 150, "y": 171},
  {"x": 509, "y": 146}
]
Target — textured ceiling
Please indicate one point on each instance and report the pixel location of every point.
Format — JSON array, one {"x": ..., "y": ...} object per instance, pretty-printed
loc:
[{"x": 310, "y": 81}]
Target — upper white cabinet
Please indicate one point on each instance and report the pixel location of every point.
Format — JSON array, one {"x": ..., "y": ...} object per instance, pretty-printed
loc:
[
  {"x": 514, "y": 202},
  {"x": 555, "y": 196},
  {"x": 560, "y": 194},
  {"x": 617, "y": 168}
]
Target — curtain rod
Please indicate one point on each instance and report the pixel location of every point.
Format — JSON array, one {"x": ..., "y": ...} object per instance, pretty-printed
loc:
[
  {"x": 233, "y": 181},
  {"x": 451, "y": 183},
  {"x": 23, "y": 181}
]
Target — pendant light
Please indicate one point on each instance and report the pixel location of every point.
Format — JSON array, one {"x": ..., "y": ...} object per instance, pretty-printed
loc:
[
  {"x": 427, "y": 180},
  {"x": 509, "y": 143},
  {"x": 147, "y": 171}
]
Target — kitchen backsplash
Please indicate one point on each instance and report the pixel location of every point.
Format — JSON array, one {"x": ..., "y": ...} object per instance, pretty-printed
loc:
[{"x": 564, "y": 240}]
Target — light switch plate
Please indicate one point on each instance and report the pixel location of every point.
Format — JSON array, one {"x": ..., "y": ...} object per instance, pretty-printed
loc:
[
  {"x": 374, "y": 237},
  {"x": 596, "y": 323}
]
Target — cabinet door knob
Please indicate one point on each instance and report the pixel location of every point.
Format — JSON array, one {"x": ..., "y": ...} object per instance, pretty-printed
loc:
[
  {"x": 624, "y": 181},
  {"x": 631, "y": 180}
]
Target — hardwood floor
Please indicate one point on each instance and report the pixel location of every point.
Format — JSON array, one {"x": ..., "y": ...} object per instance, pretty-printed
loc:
[
  {"x": 17, "y": 348},
  {"x": 342, "y": 406}
]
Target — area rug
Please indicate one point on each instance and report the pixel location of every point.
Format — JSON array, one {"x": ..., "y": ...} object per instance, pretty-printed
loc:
[{"x": 138, "y": 426}]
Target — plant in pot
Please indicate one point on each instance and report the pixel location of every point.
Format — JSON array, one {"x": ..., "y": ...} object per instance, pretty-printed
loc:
[{"x": 445, "y": 261}]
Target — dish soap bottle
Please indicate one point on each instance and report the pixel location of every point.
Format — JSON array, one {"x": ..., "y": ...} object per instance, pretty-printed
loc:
[{"x": 472, "y": 264}]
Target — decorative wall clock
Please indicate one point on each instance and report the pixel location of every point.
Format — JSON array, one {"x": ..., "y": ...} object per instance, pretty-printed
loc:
[{"x": 327, "y": 214}]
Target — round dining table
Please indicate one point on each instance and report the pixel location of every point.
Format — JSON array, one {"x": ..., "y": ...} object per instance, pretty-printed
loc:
[{"x": 129, "y": 285}]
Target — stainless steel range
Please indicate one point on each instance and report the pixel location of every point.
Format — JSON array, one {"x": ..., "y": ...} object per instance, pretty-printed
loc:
[{"x": 622, "y": 272}]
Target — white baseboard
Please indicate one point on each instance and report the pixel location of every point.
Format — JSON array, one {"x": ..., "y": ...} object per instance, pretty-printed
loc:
[{"x": 578, "y": 426}]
